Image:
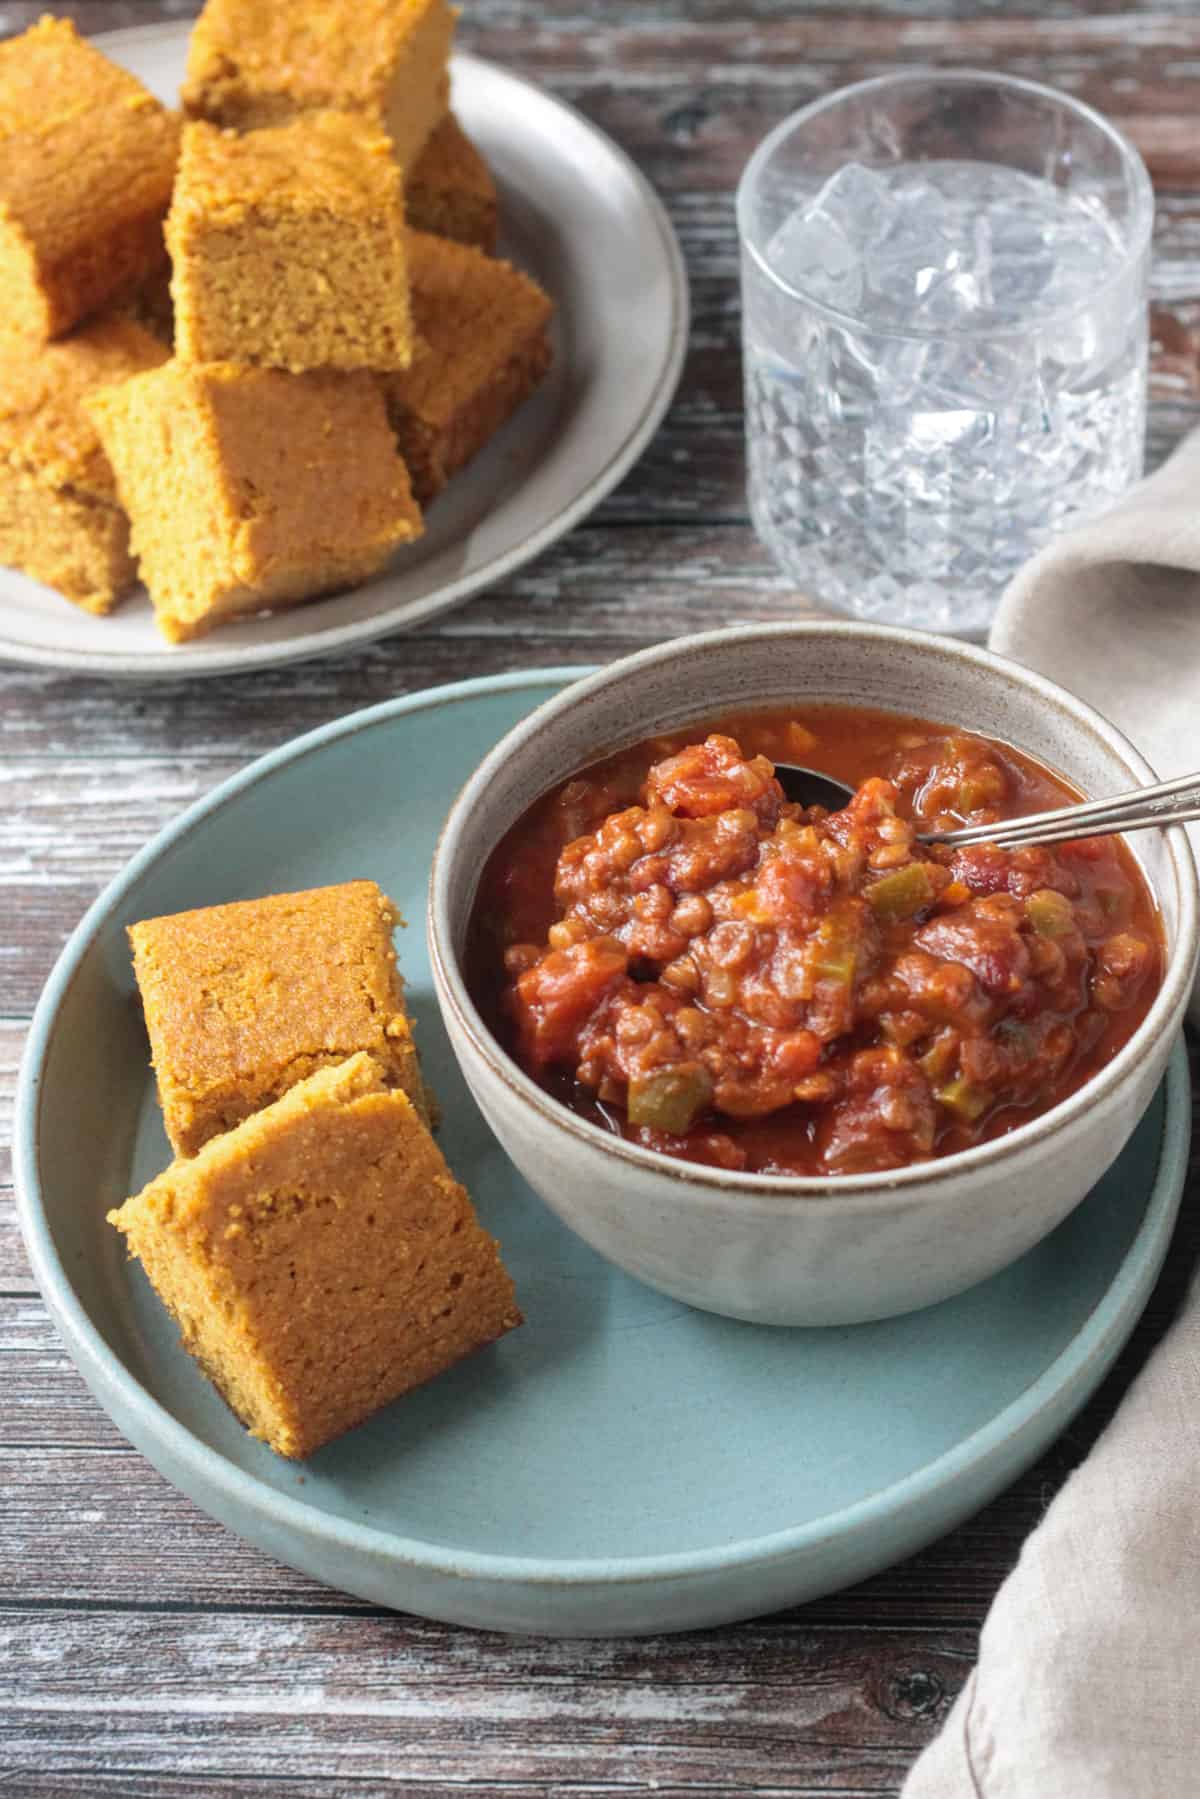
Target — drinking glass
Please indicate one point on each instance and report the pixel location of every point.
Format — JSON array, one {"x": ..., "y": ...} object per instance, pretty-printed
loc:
[{"x": 945, "y": 334}]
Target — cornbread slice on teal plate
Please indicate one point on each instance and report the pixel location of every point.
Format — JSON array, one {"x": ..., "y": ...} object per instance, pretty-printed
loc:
[
  {"x": 320, "y": 1260},
  {"x": 242, "y": 1001}
]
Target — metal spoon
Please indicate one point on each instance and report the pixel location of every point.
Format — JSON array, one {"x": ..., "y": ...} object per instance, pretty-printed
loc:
[
  {"x": 808, "y": 787},
  {"x": 1168, "y": 803}
]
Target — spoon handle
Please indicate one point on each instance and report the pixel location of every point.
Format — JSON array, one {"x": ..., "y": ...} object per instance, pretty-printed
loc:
[{"x": 1168, "y": 803}]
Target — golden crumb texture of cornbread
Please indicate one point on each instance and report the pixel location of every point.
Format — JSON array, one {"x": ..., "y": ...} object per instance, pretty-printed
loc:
[
  {"x": 450, "y": 191},
  {"x": 244, "y": 1000},
  {"x": 60, "y": 520},
  {"x": 485, "y": 331},
  {"x": 320, "y": 1260},
  {"x": 260, "y": 62},
  {"x": 251, "y": 488},
  {"x": 287, "y": 246},
  {"x": 87, "y": 159}
]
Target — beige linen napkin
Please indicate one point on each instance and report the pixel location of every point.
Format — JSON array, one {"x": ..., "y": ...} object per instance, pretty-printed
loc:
[
  {"x": 1088, "y": 1679},
  {"x": 1112, "y": 612}
]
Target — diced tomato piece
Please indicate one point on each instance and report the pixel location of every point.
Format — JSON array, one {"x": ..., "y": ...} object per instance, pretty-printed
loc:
[
  {"x": 992, "y": 948},
  {"x": 554, "y": 999},
  {"x": 714, "y": 776}
]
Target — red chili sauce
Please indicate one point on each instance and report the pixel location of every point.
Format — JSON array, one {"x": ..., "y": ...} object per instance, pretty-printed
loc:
[{"x": 672, "y": 949}]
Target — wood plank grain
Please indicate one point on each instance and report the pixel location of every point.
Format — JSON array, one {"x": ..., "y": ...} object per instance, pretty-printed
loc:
[
  {"x": 129, "y": 1784},
  {"x": 385, "y": 1695},
  {"x": 49, "y": 867}
]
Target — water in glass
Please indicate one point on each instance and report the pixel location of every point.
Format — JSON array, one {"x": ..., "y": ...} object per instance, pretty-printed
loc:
[{"x": 958, "y": 367}]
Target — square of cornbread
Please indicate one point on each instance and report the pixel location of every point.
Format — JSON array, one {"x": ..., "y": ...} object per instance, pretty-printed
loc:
[
  {"x": 60, "y": 519},
  {"x": 260, "y": 62},
  {"x": 320, "y": 1260},
  {"x": 242, "y": 1001},
  {"x": 251, "y": 488},
  {"x": 484, "y": 326},
  {"x": 87, "y": 158},
  {"x": 450, "y": 191},
  {"x": 287, "y": 246}
]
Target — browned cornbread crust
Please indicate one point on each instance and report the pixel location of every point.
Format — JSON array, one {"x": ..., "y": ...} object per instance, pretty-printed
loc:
[
  {"x": 485, "y": 328},
  {"x": 87, "y": 158},
  {"x": 248, "y": 488},
  {"x": 242, "y": 1001},
  {"x": 259, "y": 62},
  {"x": 450, "y": 190},
  {"x": 60, "y": 520},
  {"x": 287, "y": 246},
  {"x": 320, "y": 1259}
]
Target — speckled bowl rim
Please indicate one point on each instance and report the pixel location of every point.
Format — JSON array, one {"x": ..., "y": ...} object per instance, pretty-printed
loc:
[
  {"x": 208, "y": 1473},
  {"x": 767, "y": 1192}
]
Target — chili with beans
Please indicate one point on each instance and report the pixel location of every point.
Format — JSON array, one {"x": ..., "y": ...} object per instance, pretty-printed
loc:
[{"x": 673, "y": 949}]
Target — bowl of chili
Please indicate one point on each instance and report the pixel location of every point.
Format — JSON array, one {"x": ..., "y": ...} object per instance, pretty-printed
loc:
[{"x": 790, "y": 1065}]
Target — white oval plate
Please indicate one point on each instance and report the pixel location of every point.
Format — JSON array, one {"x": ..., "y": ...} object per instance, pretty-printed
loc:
[{"x": 577, "y": 215}]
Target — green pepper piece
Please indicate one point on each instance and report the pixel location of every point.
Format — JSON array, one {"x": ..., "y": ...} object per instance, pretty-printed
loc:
[
  {"x": 669, "y": 1099},
  {"x": 837, "y": 966},
  {"x": 836, "y": 946},
  {"x": 1051, "y": 914},
  {"x": 965, "y": 1101},
  {"x": 900, "y": 894}
]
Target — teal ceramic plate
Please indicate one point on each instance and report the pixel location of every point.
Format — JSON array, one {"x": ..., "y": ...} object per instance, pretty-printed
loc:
[{"x": 621, "y": 1464}]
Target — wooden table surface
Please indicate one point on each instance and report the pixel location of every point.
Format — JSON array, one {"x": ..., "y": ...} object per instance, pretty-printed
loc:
[{"x": 144, "y": 1650}]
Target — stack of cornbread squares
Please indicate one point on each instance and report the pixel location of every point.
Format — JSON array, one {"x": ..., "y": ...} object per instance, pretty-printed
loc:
[
  {"x": 309, "y": 1239},
  {"x": 339, "y": 338}
]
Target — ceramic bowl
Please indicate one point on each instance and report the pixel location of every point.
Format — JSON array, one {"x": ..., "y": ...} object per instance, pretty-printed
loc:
[{"x": 805, "y": 1251}]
